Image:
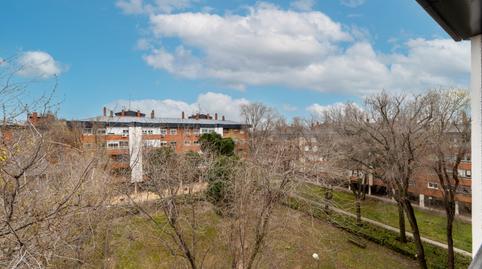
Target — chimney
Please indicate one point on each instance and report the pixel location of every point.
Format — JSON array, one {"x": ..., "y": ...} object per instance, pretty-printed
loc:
[
  {"x": 33, "y": 118},
  {"x": 138, "y": 114},
  {"x": 223, "y": 118},
  {"x": 105, "y": 111},
  {"x": 216, "y": 116},
  {"x": 152, "y": 114},
  {"x": 182, "y": 115},
  {"x": 123, "y": 113},
  {"x": 111, "y": 113},
  {"x": 209, "y": 117}
]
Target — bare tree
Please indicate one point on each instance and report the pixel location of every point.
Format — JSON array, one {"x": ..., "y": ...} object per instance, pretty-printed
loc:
[
  {"x": 49, "y": 188},
  {"x": 450, "y": 141},
  {"x": 394, "y": 130},
  {"x": 257, "y": 186},
  {"x": 261, "y": 119},
  {"x": 177, "y": 182}
]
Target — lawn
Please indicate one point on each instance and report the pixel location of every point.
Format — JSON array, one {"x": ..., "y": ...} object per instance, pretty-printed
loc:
[
  {"x": 432, "y": 224},
  {"x": 135, "y": 243}
]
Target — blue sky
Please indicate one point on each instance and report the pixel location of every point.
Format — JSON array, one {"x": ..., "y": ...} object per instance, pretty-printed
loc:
[{"x": 171, "y": 55}]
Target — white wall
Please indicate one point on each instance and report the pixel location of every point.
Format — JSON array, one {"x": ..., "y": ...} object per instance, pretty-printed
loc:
[
  {"x": 135, "y": 152},
  {"x": 475, "y": 91}
]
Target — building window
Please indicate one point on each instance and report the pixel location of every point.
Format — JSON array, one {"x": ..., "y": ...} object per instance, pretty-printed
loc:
[
  {"x": 101, "y": 131},
  {"x": 112, "y": 145},
  {"x": 163, "y": 131},
  {"x": 147, "y": 131},
  {"x": 195, "y": 142},
  {"x": 152, "y": 143},
  {"x": 464, "y": 190},
  {"x": 124, "y": 144},
  {"x": 125, "y": 132},
  {"x": 464, "y": 173},
  {"x": 187, "y": 142},
  {"x": 195, "y": 131},
  {"x": 468, "y": 173},
  {"x": 207, "y": 130},
  {"x": 172, "y": 143},
  {"x": 187, "y": 131},
  {"x": 87, "y": 131},
  {"x": 173, "y": 131},
  {"x": 432, "y": 185},
  {"x": 163, "y": 143},
  {"x": 241, "y": 131}
]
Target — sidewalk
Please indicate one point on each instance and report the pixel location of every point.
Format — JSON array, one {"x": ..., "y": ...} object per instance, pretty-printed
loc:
[{"x": 388, "y": 227}]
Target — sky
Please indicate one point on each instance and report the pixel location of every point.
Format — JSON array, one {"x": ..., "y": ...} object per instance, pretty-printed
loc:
[{"x": 299, "y": 56}]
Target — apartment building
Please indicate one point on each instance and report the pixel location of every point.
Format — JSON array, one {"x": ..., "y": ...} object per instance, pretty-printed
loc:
[
  {"x": 424, "y": 187},
  {"x": 127, "y": 134}
]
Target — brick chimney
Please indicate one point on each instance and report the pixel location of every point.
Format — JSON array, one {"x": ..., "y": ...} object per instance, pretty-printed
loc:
[
  {"x": 104, "y": 111},
  {"x": 138, "y": 114},
  {"x": 224, "y": 118},
  {"x": 152, "y": 114},
  {"x": 216, "y": 116},
  {"x": 123, "y": 113},
  {"x": 111, "y": 113},
  {"x": 209, "y": 117},
  {"x": 182, "y": 115},
  {"x": 33, "y": 118}
]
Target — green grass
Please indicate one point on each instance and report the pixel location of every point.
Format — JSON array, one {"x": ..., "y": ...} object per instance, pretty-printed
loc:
[
  {"x": 135, "y": 242},
  {"x": 432, "y": 224},
  {"x": 436, "y": 257}
]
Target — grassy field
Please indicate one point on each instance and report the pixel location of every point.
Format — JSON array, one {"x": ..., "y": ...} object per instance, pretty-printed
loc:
[
  {"x": 134, "y": 242},
  {"x": 432, "y": 224}
]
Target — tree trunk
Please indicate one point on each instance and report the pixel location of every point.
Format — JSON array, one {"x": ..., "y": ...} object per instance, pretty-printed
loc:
[
  {"x": 401, "y": 223},
  {"x": 416, "y": 233},
  {"x": 450, "y": 242},
  {"x": 358, "y": 211}
]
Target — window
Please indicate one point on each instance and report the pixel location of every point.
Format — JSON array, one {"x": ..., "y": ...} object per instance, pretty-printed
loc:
[
  {"x": 195, "y": 131},
  {"x": 147, "y": 131},
  {"x": 112, "y": 145},
  {"x": 241, "y": 131},
  {"x": 432, "y": 185},
  {"x": 207, "y": 130},
  {"x": 464, "y": 190},
  {"x": 125, "y": 132},
  {"x": 163, "y": 143},
  {"x": 187, "y": 142},
  {"x": 124, "y": 144},
  {"x": 87, "y": 131},
  {"x": 195, "y": 142},
  {"x": 163, "y": 131},
  {"x": 173, "y": 143},
  {"x": 173, "y": 131},
  {"x": 187, "y": 131},
  {"x": 464, "y": 173},
  {"x": 101, "y": 131},
  {"x": 152, "y": 143}
]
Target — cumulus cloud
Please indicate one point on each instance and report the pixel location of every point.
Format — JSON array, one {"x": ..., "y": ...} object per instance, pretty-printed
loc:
[
  {"x": 298, "y": 49},
  {"x": 38, "y": 64},
  {"x": 209, "y": 102},
  {"x": 352, "y": 3}
]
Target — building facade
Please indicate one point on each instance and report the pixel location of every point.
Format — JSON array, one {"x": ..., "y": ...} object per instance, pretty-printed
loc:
[{"x": 125, "y": 135}]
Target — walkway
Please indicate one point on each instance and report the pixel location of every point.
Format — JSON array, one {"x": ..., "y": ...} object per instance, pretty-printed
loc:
[{"x": 387, "y": 227}]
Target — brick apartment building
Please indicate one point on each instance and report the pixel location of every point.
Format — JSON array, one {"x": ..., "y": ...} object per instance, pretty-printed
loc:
[
  {"x": 424, "y": 188},
  {"x": 126, "y": 134}
]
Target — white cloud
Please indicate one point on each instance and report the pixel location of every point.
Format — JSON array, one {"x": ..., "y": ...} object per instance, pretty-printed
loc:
[
  {"x": 38, "y": 64},
  {"x": 209, "y": 102},
  {"x": 150, "y": 7},
  {"x": 302, "y": 5},
  {"x": 352, "y": 3},
  {"x": 301, "y": 50},
  {"x": 318, "y": 111},
  {"x": 289, "y": 108}
]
